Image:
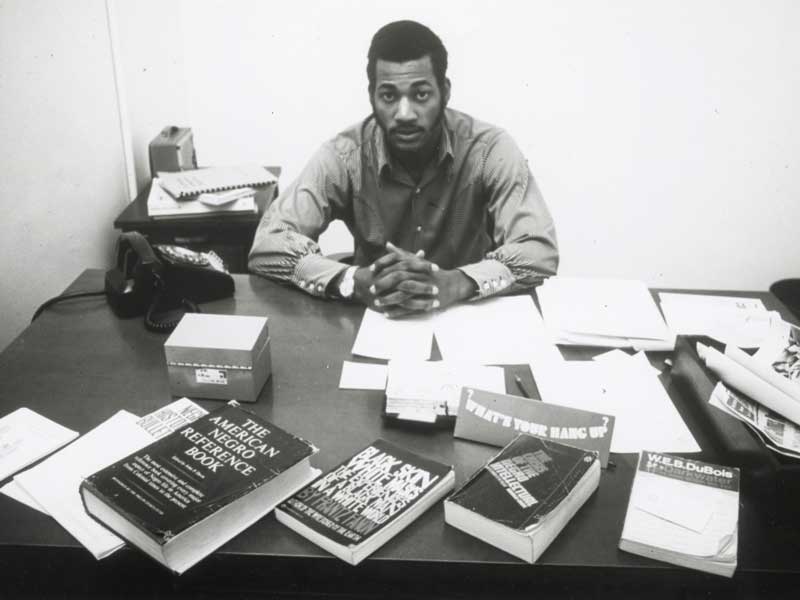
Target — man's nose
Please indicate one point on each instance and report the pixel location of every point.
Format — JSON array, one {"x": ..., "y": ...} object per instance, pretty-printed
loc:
[{"x": 405, "y": 112}]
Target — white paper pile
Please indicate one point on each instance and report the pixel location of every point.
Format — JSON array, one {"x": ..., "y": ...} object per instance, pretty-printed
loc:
[
  {"x": 742, "y": 322},
  {"x": 614, "y": 313}
]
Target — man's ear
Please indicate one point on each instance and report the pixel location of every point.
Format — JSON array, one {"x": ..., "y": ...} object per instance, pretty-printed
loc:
[{"x": 446, "y": 92}]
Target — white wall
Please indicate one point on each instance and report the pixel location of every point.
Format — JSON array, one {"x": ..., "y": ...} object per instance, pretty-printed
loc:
[
  {"x": 664, "y": 135},
  {"x": 61, "y": 157}
]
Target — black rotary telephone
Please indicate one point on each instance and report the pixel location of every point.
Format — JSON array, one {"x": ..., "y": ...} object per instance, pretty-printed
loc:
[{"x": 162, "y": 282}]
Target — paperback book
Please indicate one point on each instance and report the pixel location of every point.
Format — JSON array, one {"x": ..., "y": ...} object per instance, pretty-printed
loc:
[
  {"x": 183, "y": 496},
  {"x": 366, "y": 500},
  {"x": 684, "y": 512},
  {"x": 524, "y": 496}
]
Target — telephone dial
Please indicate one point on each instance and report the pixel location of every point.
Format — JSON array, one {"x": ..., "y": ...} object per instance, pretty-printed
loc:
[{"x": 162, "y": 281}]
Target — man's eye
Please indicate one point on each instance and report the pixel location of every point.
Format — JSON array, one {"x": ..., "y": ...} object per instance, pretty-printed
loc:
[
  {"x": 387, "y": 96},
  {"x": 423, "y": 95}
]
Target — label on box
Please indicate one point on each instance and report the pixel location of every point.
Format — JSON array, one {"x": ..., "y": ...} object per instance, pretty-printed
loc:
[{"x": 215, "y": 376}]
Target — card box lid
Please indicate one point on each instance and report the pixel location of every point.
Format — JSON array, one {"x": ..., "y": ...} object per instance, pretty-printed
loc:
[{"x": 216, "y": 340}]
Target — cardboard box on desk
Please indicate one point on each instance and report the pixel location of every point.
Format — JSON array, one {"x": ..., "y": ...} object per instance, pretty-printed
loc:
[{"x": 225, "y": 357}]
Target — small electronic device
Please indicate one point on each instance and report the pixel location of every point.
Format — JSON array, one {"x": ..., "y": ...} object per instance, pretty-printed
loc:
[
  {"x": 172, "y": 150},
  {"x": 163, "y": 280}
]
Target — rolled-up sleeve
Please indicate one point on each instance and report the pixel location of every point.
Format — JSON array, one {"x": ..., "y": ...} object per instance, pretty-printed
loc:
[
  {"x": 525, "y": 248},
  {"x": 285, "y": 247}
]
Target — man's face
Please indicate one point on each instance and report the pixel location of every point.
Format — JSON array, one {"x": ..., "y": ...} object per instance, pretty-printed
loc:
[{"x": 408, "y": 104}]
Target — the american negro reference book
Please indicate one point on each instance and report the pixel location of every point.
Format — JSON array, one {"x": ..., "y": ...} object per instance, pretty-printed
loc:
[
  {"x": 524, "y": 496},
  {"x": 685, "y": 512},
  {"x": 183, "y": 496},
  {"x": 359, "y": 505}
]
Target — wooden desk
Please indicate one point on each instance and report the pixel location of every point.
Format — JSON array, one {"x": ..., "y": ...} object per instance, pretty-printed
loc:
[
  {"x": 230, "y": 236},
  {"x": 78, "y": 365}
]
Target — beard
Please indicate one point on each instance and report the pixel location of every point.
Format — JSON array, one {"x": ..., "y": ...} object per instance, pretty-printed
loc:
[{"x": 418, "y": 155}]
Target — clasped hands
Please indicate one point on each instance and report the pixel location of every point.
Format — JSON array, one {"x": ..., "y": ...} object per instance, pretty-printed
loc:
[{"x": 401, "y": 283}]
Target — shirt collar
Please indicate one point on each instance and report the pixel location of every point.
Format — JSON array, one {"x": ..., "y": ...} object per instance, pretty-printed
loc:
[{"x": 382, "y": 151}]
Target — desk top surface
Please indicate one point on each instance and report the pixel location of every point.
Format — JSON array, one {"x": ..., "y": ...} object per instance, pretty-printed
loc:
[{"x": 78, "y": 365}]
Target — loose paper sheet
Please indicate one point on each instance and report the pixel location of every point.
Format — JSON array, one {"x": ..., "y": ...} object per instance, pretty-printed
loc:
[
  {"x": 743, "y": 322},
  {"x": 629, "y": 390},
  {"x": 362, "y": 376},
  {"x": 25, "y": 437},
  {"x": 496, "y": 331},
  {"x": 408, "y": 338}
]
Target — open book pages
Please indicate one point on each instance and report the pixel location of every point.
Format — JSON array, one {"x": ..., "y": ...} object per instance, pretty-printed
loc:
[{"x": 603, "y": 312}]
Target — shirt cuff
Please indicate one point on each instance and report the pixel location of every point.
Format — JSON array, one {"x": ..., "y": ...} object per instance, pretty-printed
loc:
[
  {"x": 314, "y": 272},
  {"x": 491, "y": 276}
]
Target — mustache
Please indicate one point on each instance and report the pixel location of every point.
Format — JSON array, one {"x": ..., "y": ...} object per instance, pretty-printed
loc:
[{"x": 406, "y": 129}]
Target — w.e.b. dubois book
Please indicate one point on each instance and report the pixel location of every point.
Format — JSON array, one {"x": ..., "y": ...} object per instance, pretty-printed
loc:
[
  {"x": 183, "y": 496},
  {"x": 524, "y": 496},
  {"x": 366, "y": 500},
  {"x": 684, "y": 512}
]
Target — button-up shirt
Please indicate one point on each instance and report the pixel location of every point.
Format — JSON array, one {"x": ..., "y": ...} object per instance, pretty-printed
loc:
[{"x": 476, "y": 208}]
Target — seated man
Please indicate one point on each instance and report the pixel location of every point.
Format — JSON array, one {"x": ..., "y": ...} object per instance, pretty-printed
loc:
[{"x": 442, "y": 207}]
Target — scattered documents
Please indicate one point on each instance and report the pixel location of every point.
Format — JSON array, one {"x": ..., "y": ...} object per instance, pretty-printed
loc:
[
  {"x": 161, "y": 205},
  {"x": 630, "y": 390},
  {"x": 408, "y": 338},
  {"x": 684, "y": 512},
  {"x": 27, "y": 436},
  {"x": 54, "y": 483},
  {"x": 742, "y": 322},
  {"x": 616, "y": 313},
  {"x": 424, "y": 390},
  {"x": 497, "y": 331},
  {"x": 362, "y": 376}
]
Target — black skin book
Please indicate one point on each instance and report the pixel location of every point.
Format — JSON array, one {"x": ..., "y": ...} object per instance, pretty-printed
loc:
[
  {"x": 365, "y": 494},
  {"x": 527, "y": 480},
  {"x": 181, "y": 479}
]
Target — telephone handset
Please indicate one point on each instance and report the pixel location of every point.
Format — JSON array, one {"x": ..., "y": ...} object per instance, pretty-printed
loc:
[{"x": 163, "y": 281}]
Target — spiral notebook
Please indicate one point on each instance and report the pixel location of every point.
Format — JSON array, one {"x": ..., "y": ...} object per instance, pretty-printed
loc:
[{"x": 182, "y": 184}]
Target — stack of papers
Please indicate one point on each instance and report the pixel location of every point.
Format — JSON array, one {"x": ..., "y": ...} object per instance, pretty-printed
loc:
[
  {"x": 615, "y": 313},
  {"x": 627, "y": 387},
  {"x": 742, "y": 322},
  {"x": 161, "y": 205},
  {"x": 423, "y": 390}
]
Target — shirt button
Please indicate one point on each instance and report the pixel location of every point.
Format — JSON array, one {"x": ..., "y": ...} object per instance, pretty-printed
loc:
[
  {"x": 419, "y": 228},
  {"x": 418, "y": 191}
]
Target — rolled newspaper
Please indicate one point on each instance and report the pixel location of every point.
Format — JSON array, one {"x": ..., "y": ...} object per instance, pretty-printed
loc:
[{"x": 749, "y": 383}]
